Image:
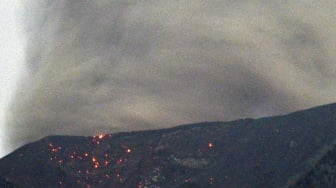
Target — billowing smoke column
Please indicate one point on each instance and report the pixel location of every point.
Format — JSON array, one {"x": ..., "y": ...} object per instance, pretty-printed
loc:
[{"x": 109, "y": 66}]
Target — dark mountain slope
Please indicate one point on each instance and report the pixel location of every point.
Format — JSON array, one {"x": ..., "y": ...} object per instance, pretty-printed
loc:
[
  {"x": 267, "y": 152},
  {"x": 323, "y": 174},
  {"x": 5, "y": 184}
]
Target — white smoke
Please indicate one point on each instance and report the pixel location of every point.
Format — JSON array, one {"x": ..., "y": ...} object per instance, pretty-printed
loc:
[{"x": 11, "y": 60}]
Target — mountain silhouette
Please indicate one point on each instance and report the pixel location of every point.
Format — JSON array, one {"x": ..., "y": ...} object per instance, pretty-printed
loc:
[{"x": 293, "y": 150}]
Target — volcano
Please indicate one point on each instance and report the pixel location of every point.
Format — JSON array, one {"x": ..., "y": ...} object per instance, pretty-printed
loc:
[{"x": 293, "y": 150}]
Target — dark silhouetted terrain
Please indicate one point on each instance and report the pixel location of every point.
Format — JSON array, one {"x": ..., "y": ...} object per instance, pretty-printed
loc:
[
  {"x": 323, "y": 174},
  {"x": 5, "y": 184},
  {"x": 292, "y": 150}
]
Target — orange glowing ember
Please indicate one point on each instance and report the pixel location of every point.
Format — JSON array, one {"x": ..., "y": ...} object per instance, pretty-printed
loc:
[
  {"x": 94, "y": 159},
  {"x": 210, "y": 145},
  {"x": 128, "y": 150},
  {"x": 100, "y": 136}
]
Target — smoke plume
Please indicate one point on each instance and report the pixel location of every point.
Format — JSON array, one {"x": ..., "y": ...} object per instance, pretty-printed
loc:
[{"x": 110, "y": 66}]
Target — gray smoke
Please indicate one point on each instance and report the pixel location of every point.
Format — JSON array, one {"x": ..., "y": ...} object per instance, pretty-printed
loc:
[{"x": 110, "y": 66}]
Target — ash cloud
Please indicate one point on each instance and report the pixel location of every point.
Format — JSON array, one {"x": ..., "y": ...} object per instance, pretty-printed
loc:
[{"x": 110, "y": 66}]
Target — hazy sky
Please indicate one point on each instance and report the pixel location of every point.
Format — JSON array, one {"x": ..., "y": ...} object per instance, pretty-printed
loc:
[
  {"x": 11, "y": 59},
  {"x": 109, "y": 66}
]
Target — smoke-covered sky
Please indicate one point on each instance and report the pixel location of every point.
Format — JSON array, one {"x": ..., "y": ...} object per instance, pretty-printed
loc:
[
  {"x": 11, "y": 58},
  {"x": 109, "y": 66}
]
